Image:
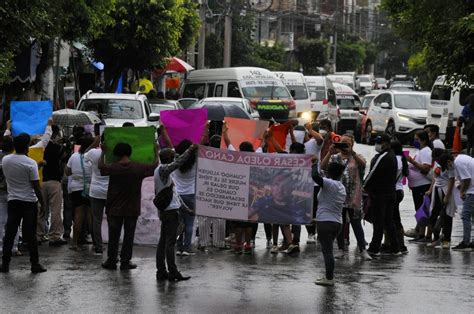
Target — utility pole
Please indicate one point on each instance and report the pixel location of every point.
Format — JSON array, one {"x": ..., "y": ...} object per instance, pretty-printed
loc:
[
  {"x": 334, "y": 51},
  {"x": 227, "y": 35},
  {"x": 202, "y": 35}
]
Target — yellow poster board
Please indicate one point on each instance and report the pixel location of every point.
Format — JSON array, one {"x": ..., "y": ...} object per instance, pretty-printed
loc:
[{"x": 37, "y": 154}]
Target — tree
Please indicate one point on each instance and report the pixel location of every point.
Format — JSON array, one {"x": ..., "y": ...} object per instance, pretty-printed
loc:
[
  {"x": 443, "y": 31},
  {"x": 143, "y": 35},
  {"x": 312, "y": 53},
  {"x": 350, "y": 56}
]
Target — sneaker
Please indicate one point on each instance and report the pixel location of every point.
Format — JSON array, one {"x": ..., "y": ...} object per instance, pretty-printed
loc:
[
  {"x": 98, "y": 252},
  {"x": 187, "y": 253},
  {"x": 127, "y": 266},
  {"x": 373, "y": 253},
  {"x": 396, "y": 253},
  {"x": 462, "y": 247},
  {"x": 434, "y": 244},
  {"x": 109, "y": 265},
  {"x": 311, "y": 239},
  {"x": 37, "y": 268},
  {"x": 324, "y": 282},
  {"x": 202, "y": 248},
  {"x": 44, "y": 238},
  {"x": 269, "y": 244},
  {"x": 274, "y": 250},
  {"x": 404, "y": 250},
  {"x": 340, "y": 254},
  {"x": 445, "y": 245},
  {"x": 238, "y": 249},
  {"x": 415, "y": 239},
  {"x": 293, "y": 248},
  {"x": 365, "y": 256},
  {"x": 283, "y": 248}
]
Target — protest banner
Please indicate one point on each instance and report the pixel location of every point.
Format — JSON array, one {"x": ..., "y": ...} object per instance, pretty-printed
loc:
[
  {"x": 269, "y": 188},
  {"x": 142, "y": 140},
  {"x": 37, "y": 154},
  {"x": 241, "y": 130},
  {"x": 30, "y": 117},
  {"x": 184, "y": 124}
]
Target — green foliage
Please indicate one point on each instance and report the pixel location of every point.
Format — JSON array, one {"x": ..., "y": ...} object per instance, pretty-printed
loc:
[
  {"x": 143, "y": 34},
  {"x": 350, "y": 56},
  {"x": 214, "y": 51},
  {"x": 312, "y": 53},
  {"x": 191, "y": 24},
  {"x": 442, "y": 30},
  {"x": 271, "y": 58},
  {"x": 417, "y": 67}
]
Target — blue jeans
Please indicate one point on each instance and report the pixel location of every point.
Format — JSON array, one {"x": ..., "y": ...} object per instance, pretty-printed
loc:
[
  {"x": 185, "y": 238},
  {"x": 466, "y": 216}
]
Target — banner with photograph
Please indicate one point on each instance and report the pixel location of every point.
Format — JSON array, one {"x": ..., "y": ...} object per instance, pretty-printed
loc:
[{"x": 269, "y": 188}]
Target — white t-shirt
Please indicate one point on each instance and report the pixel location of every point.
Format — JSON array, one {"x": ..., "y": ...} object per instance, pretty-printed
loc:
[
  {"x": 19, "y": 171},
  {"x": 99, "y": 183},
  {"x": 331, "y": 199},
  {"x": 437, "y": 143},
  {"x": 399, "y": 184},
  {"x": 416, "y": 178},
  {"x": 464, "y": 166},
  {"x": 232, "y": 148},
  {"x": 77, "y": 177},
  {"x": 312, "y": 148},
  {"x": 185, "y": 181},
  {"x": 443, "y": 179}
]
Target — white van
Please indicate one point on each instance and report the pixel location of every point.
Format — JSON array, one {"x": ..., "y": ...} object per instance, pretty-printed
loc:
[
  {"x": 365, "y": 83},
  {"x": 345, "y": 116},
  {"x": 324, "y": 93},
  {"x": 296, "y": 84},
  {"x": 445, "y": 107},
  {"x": 355, "y": 79},
  {"x": 266, "y": 93},
  {"x": 345, "y": 79}
]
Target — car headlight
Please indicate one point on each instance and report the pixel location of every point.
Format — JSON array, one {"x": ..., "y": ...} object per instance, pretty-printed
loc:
[
  {"x": 307, "y": 115},
  {"x": 404, "y": 117}
]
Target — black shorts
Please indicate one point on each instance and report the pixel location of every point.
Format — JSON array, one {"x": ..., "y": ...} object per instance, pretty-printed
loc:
[{"x": 78, "y": 200}]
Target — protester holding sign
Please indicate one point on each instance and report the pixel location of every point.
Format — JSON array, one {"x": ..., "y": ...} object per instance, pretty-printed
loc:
[
  {"x": 170, "y": 215},
  {"x": 123, "y": 200}
]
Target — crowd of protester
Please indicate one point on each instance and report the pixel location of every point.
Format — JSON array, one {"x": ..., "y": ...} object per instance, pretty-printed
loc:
[{"x": 78, "y": 187}]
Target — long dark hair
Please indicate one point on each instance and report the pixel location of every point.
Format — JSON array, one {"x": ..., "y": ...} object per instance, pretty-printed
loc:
[
  {"x": 180, "y": 149},
  {"x": 398, "y": 150}
]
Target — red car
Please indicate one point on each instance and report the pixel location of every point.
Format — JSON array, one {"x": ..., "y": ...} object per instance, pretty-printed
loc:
[{"x": 363, "y": 110}]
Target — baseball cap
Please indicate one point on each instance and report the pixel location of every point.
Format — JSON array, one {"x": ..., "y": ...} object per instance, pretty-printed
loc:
[{"x": 384, "y": 138}]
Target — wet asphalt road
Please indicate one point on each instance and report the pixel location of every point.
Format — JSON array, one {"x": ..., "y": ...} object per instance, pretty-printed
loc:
[{"x": 426, "y": 280}]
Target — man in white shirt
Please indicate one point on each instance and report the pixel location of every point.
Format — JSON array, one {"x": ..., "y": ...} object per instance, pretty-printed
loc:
[
  {"x": 433, "y": 133},
  {"x": 21, "y": 174},
  {"x": 464, "y": 169}
]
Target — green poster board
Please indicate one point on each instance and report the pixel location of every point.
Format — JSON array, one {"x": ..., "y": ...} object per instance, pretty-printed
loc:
[{"x": 142, "y": 140}]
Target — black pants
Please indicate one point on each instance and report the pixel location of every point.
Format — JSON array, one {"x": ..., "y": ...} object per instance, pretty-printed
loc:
[
  {"x": 418, "y": 194},
  {"x": 396, "y": 210},
  {"x": 268, "y": 231},
  {"x": 439, "y": 219},
  {"x": 129, "y": 224},
  {"x": 382, "y": 205},
  {"x": 327, "y": 233},
  {"x": 311, "y": 229},
  {"x": 18, "y": 210},
  {"x": 169, "y": 228}
]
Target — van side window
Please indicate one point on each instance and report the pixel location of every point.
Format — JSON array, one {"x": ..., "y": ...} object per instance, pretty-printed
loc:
[
  {"x": 441, "y": 92},
  {"x": 194, "y": 90},
  {"x": 210, "y": 89},
  {"x": 233, "y": 90},
  {"x": 219, "y": 89},
  {"x": 147, "y": 108},
  {"x": 331, "y": 97}
]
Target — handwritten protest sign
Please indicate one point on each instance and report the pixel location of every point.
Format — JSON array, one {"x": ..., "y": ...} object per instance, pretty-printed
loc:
[
  {"x": 37, "y": 154},
  {"x": 142, "y": 140},
  {"x": 241, "y": 130},
  {"x": 184, "y": 124},
  {"x": 270, "y": 188},
  {"x": 30, "y": 117}
]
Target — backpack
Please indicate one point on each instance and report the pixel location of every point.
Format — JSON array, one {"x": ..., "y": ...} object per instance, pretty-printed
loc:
[{"x": 163, "y": 198}]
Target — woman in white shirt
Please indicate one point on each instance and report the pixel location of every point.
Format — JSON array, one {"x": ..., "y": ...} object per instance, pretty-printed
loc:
[
  {"x": 419, "y": 179},
  {"x": 80, "y": 171}
]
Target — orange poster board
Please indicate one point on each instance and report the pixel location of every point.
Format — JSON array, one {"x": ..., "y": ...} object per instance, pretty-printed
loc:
[
  {"x": 241, "y": 130},
  {"x": 280, "y": 132}
]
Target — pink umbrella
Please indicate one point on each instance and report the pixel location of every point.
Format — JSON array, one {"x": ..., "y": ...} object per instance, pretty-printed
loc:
[{"x": 178, "y": 65}]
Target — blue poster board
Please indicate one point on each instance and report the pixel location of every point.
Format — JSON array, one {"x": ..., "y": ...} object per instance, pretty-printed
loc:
[{"x": 30, "y": 117}]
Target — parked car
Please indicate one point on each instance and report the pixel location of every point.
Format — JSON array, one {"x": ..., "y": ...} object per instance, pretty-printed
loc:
[
  {"x": 158, "y": 105},
  {"x": 345, "y": 116},
  {"x": 445, "y": 106},
  {"x": 187, "y": 102},
  {"x": 380, "y": 83},
  {"x": 116, "y": 109},
  {"x": 366, "y": 101},
  {"x": 240, "y": 102},
  {"x": 402, "y": 85},
  {"x": 322, "y": 92},
  {"x": 398, "y": 113}
]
